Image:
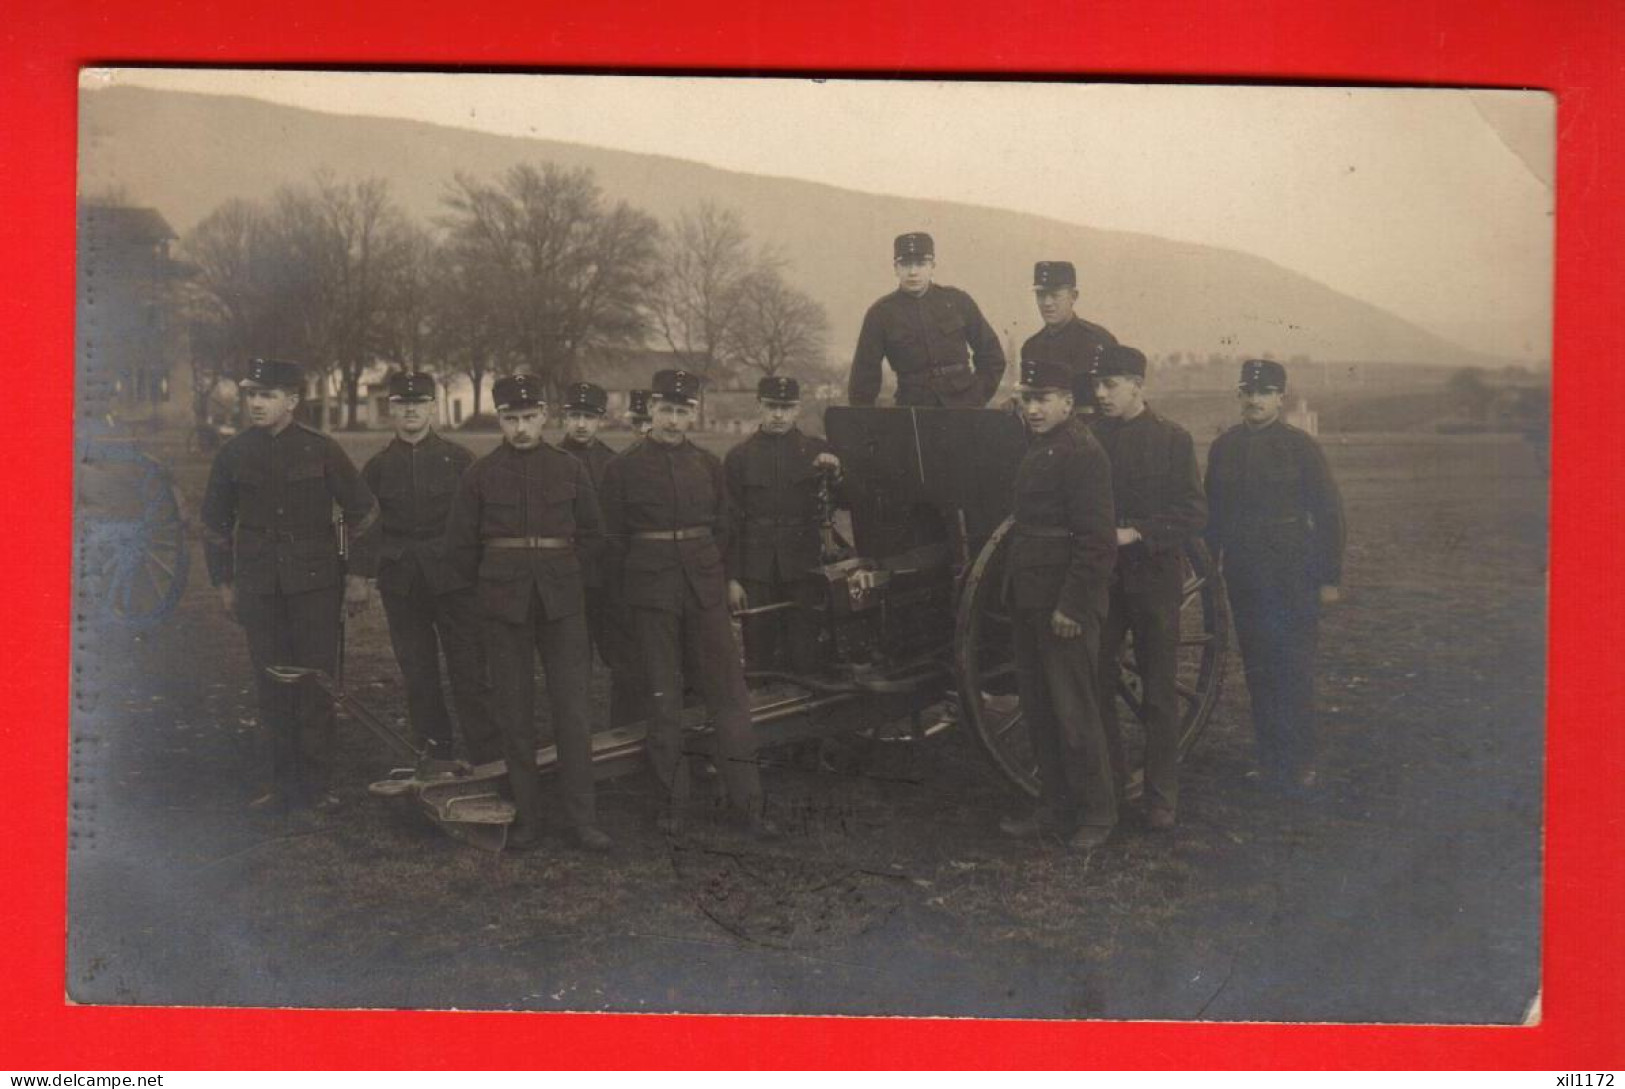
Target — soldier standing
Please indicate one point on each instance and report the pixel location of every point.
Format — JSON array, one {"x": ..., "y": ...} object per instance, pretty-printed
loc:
[
  {"x": 1057, "y": 578},
  {"x": 271, "y": 548},
  {"x": 637, "y": 413},
  {"x": 607, "y": 619},
  {"x": 1081, "y": 345},
  {"x": 524, "y": 524},
  {"x": 1277, "y": 526},
  {"x": 774, "y": 480},
  {"x": 430, "y": 607},
  {"x": 666, "y": 512},
  {"x": 1159, "y": 504},
  {"x": 942, "y": 350}
]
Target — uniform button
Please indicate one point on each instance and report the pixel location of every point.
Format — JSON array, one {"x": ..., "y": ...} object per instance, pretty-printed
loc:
[{"x": 279, "y": 510}]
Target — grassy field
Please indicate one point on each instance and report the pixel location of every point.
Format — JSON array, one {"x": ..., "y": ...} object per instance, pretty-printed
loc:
[{"x": 1408, "y": 892}]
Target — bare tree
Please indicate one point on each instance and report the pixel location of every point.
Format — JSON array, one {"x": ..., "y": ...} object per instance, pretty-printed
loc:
[
  {"x": 706, "y": 259},
  {"x": 778, "y": 327},
  {"x": 465, "y": 317},
  {"x": 569, "y": 273}
]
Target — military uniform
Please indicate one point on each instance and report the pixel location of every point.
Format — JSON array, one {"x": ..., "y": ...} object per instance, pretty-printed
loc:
[
  {"x": 1277, "y": 525},
  {"x": 430, "y": 607},
  {"x": 525, "y": 525},
  {"x": 608, "y": 620},
  {"x": 667, "y": 515},
  {"x": 773, "y": 488},
  {"x": 269, "y": 533},
  {"x": 1080, "y": 345},
  {"x": 941, "y": 348},
  {"x": 1158, "y": 492},
  {"x": 1061, "y": 554}
]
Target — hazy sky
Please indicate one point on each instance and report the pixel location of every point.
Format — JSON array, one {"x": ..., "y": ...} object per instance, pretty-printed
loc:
[{"x": 1435, "y": 205}]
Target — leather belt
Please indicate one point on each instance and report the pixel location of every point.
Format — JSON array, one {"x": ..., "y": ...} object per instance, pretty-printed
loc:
[
  {"x": 780, "y": 523},
  {"x": 529, "y": 542},
  {"x": 1055, "y": 532},
  {"x": 951, "y": 368},
  {"x": 690, "y": 533},
  {"x": 312, "y": 533}
]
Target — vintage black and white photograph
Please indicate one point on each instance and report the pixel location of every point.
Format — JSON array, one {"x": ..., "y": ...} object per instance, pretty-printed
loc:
[{"x": 1050, "y": 550}]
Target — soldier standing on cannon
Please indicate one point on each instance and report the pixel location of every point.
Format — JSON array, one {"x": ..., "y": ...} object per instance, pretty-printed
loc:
[
  {"x": 666, "y": 511},
  {"x": 637, "y": 414},
  {"x": 1158, "y": 493},
  {"x": 607, "y": 619},
  {"x": 942, "y": 350},
  {"x": 525, "y": 525},
  {"x": 1081, "y": 345},
  {"x": 774, "y": 483},
  {"x": 430, "y": 606},
  {"x": 272, "y": 548},
  {"x": 1057, "y": 581},
  {"x": 1277, "y": 527}
]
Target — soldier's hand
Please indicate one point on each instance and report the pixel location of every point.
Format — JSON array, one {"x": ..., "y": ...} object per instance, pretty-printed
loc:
[
  {"x": 1064, "y": 626},
  {"x": 828, "y": 462},
  {"x": 1330, "y": 595},
  {"x": 355, "y": 594},
  {"x": 1127, "y": 535},
  {"x": 738, "y": 600},
  {"x": 228, "y": 599}
]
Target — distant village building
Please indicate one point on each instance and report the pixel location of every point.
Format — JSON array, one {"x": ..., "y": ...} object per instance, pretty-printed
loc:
[
  {"x": 1304, "y": 418},
  {"x": 130, "y": 345}
]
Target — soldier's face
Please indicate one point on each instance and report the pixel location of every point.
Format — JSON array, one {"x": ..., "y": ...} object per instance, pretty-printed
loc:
[
  {"x": 779, "y": 416},
  {"x": 1260, "y": 407},
  {"x": 581, "y": 426},
  {"x": 914, "y": 273},
  {"x": 671, "y": 421},
  {"x": 270, "y": 408},
  {"x": 522, "y": 427},
  {"x": 1119, "y": 396},
  {"x": 412, "y": 418},
  {"x": 1045, "y": 409},
  {"x": 1056, "y": 305}
]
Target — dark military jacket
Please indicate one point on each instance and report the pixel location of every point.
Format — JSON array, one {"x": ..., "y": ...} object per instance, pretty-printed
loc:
[
  {"x": 1064, "y": 542},
  {"x": 1272, "y": 501},
  {"x": 268, "y": 523},
  {"x": 1156, "y": 487},
  {"x": 595, "y": 455},
  {"x": 415, "y": 484},
  {"x": 1079, "y": 344},
  {"x": 773, "y": 488},
  {"x": 930, "y": 340},
  {"x": 541, "y": 492},
  {"x": 653, "y": 486}
]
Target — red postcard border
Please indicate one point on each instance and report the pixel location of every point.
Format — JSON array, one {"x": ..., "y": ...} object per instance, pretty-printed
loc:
[{"x": 1569, "y": 47}]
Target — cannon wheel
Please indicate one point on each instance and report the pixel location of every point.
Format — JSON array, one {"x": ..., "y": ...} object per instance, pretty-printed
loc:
[
  {"x": 985, "y": 672},
  {"x": 140, "y": 559}
]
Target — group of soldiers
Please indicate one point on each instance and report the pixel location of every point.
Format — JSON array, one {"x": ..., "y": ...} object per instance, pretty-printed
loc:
[{"x": 646, "y": 556}]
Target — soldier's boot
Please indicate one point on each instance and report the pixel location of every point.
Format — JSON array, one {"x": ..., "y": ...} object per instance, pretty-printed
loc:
[
  {"x": 674, "y": 815},
  {"x": 526, "y": 832}
]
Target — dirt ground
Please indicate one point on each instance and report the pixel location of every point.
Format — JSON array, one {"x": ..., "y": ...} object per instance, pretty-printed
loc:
[{"x": 1410, "y": 891}]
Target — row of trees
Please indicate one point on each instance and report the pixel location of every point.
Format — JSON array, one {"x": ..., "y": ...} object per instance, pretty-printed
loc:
[{"x": 533, "y": 271}]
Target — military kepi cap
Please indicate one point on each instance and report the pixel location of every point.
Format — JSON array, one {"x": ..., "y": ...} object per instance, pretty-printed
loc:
[
  {"x": 913, "y": 246},
  {"x": 1049, "y": 275},
  {"x": 779, "y": 387},
  {"x": 415, "y": 386},
  {"x": 518, "y": 391},
  {"x": 1120, "y": 359},
  {"x": 1041, "y": 374},
  {"x": 678, "y": 387},
  {"x": 1262, "y": 376},
  {"x": 273, "y": 374},
  {"x": 637, "y": 404},
  {"x": 586, "y": 397}
]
